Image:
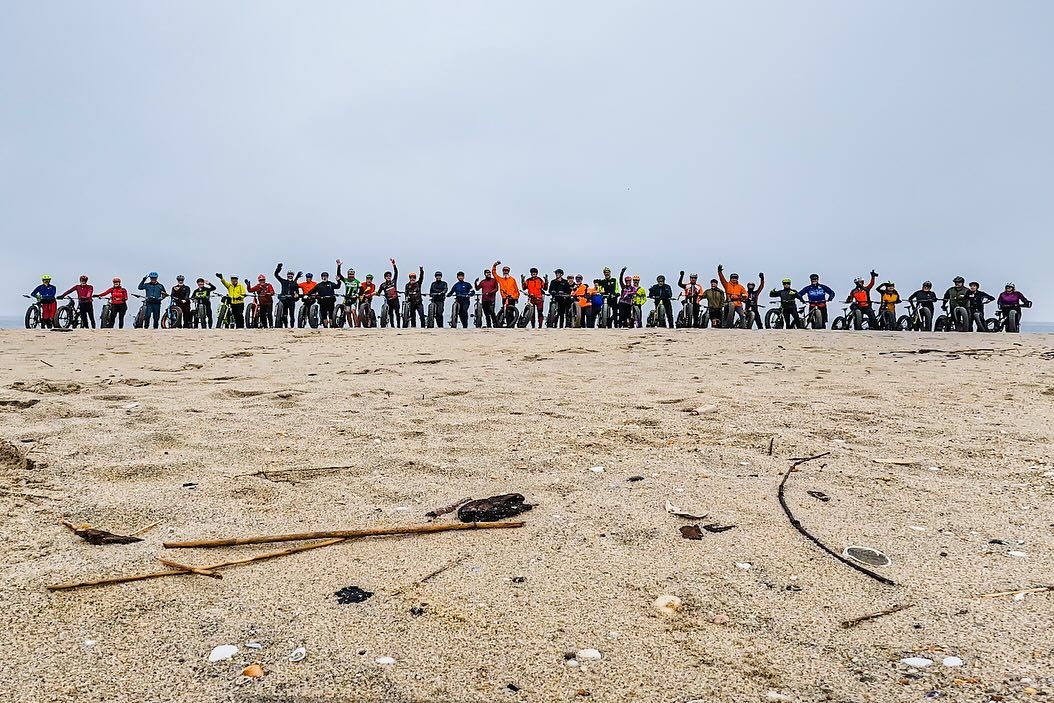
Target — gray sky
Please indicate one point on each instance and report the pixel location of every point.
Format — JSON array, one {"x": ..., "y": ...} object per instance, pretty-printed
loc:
[{"x": 784, "y": 137}]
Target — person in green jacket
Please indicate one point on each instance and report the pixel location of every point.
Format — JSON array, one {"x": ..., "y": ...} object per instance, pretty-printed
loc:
[
  {"x": 715, "y": 302},
  {"x": 957, "y": 305},
  {"x": 351, "y": 295}
]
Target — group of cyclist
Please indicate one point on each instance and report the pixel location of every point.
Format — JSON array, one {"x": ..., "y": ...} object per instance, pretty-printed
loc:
[{"x": 606, "y": 301}]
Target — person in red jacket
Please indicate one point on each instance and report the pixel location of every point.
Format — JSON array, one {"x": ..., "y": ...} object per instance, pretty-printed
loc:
[
  {"x": 488, "y": 287},
  {"x": 264, "y": 301},
  {"x": 85, "y": 306},
  {"x": 118, "y": 303}
]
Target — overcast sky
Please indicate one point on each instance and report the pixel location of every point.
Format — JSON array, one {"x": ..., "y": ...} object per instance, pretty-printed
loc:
[{"x": 784, "y": 137}]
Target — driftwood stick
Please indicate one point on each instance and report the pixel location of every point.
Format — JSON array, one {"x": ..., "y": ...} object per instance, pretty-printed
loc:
[
  {"x": 343, "y": 534},
  {"x": 143, "y": 530},
  {"x": 872, "y": 616},
  {"x": 798, "y": 461},
  {"x": 192, "y": 569},
  {"x": 815, "y": 540},
  {"x": 1039, "y": 589},
  {"x": 181, "y": 572}
]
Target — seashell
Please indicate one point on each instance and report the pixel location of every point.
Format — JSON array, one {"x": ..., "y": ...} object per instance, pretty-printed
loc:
[
  {"x": 222, "y": 652},
  {"x": 866, "y": 555},
  {"x": 385, "y": 661},
  {"x": 253, "y": 671},
  {"x": 298, "y": 654},
  {"x": 667, "y": 605},
  {"x": 917, "y": 662},
  {"x": 588, "y": 655}
]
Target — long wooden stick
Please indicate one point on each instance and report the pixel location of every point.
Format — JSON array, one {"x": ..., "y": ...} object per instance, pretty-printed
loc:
[
  {"x": 1040, "y": 589},
  {"x": 812, "y": 538},
  {"x": 209, "y": 567},
  {"x": 343, "y": 534}
]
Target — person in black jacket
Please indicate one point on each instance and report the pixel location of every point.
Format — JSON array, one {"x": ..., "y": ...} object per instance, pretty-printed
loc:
[
  {"x": 560, "y": 296},
  {"x": 180, "y": 295},
  {"x": 925, "y": 299},
  {"x": 662, "y": 294},
  {"x": 788, "y": 298},
  {"x": 413, "y": 298},
  {"x": 287, "y": 296},
  {"x": 325, "y": 292},
  {"x": 976, "y": 299},
  {"x": 437, "y": 292}
]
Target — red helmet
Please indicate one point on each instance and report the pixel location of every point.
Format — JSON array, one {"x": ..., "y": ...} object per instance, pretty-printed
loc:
[{"x": 261, "y": 277}]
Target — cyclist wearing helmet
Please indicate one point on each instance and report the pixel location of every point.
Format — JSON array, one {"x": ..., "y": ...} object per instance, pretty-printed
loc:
[
  {"x": 626, "y": 300},
  {"x": 510, "y": 292},
  {"x": 351, "y": 294},
  {"x": 608, "y": 288},
  {"x": 287, "y": 296},
  {"x": 488, "y": 288},
  {"x": 461, "y": 292},
  {"x": 735, "y": 295},
  {"x": 264, "y": 301},
  {"x": 438, "y": 293},
  {"x": 118, "y": 302},
  {"x": 155, "y": 292},
  {"x": 389, "y": 291},
  {"x": 888, "y": 305},
  {"x": 180, "y": 295},
  {"x": 715, "y": 302},
  {"x": 236, "y": 294},
  {"x": 580, "y": 293},
  {"x": 788, "y": 298},
  {"x": 693, "y": 293},
  {"x": 859, "y": 300},
  {"x": 46, "y": 295},
  {"x": 85, "y": 307},
  {"x": 956, "y": 304},
  {"x": 753, "y": 293},
  {"x": 203, "y": 295},
  {"x": 817, "y": 295},
  {"x": 976, "y": 300},
  {"x": 560, "y": 289},
  {"x": 413, "y": 298},
  {"x": 325, "y": 292},
  {"x": 640, "y": 299},
  {"x": 924, "y": 298},
  {"x": 1010, "y": 302},
  {"x": 535, "y": 288},
  {"x": 367, "y": 289},
  {"x": 662, "y": 294}
]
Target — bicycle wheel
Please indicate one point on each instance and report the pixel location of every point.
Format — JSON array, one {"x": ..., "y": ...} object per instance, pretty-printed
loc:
[
  {"x": 839, "y": 324},
  {"x": 816, "y": 319},
  {"x": 431, "y": 320},
  {"x": 904, "y": 323},
  {"x": 1011, "y": 321},
  {"x": 63, "y": 318},
  {"x": 140, "y": 319},
  {"x": 106, "y": 317},
  {"x": 340, "y": 314},
  {"x": 774, "y": 320},
  {"x": 32, "y": 317},
  {"x": 477, "y": 316}
]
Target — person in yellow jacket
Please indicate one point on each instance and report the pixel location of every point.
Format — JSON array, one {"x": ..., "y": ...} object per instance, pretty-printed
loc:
[
  {"x": 236, "y": 293},
  {"x": 888, "y": 305},
  {"x": 639, "y": 299}
]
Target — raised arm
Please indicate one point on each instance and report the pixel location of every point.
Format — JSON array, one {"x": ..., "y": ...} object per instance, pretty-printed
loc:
[
  {"x": 278, "y": 270},
  {"x": 721, "y": 276},
  {"x": 680, "y": 280}
]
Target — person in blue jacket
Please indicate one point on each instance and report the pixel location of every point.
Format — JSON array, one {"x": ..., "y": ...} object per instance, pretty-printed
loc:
[
  {"x": 46, "y": 294},
  {"x": 817, "y": 295},
  {"x": 462, "y": 292},
  {"x": 155, "y": 292}
]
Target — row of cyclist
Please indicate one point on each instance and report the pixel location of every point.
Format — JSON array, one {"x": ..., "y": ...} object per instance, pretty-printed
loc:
[{"x": 494, "y": 300}]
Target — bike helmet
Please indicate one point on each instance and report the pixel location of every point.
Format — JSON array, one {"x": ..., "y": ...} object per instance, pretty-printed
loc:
[
  {"x": 958, "y": 279},
  {"x": 787, "y": 281},
  {"x": 234, "y": 278},
  {"x": 1011, "y": 285},
  {"x": 261, "y": 277},
  {"x": 369, "y": 276},
  {"x": 116, "y": 280},
  {"x": 890, "y": 284},
  {"x": 200, "y": 280},
  {"x": 578, "y": 277},
  {"x": 636, "y": 277},
  {"x": 927, "y": 284},
  {"x": 734, "y": 276},
  {"x": 309, "y": 275},
  {"x": 559, "y": 272},
  {"x": 413, "y": 275},
  {"x": 814, "y": 276},
  {"x": 858, "y": 281},
  {"x": 607, "y": 270},
  {"x": 534, "y": 269},
  {"x": 439, "y": 274},
  {"x": 152, "y": 274},
  {"x": 693, "y": 275},
  {"x": 179, "y": 277}
]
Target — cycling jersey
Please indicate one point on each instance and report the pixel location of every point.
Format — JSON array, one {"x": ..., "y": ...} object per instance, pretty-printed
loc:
[
  {"x": 45, "y": 293},
  {"x": 641, "y": 296},
  {"x": 629, "y": 294},
  {"x": 235, "y": 291},
  {"x": 890, "y": 298},
  {"x": 488, "y": 287},
  {"x": 923, "y": 298},
  {"x": 367, "y": 289},
  {"x": 306, "y": 288},
  {"x": 816, "y": 294},
  {"x": 535, "y": 286},
  {"x": 660, "y": 291},
  {"x": 582, "y": 293},
  {"x": 462, "y": 290},
  {"x": 264, "y": 293},
  {"x": 413, "y": 288},
  {"x": 118, "y": 295},
  {"x": 390, "y": 290},
  {"x": 693, "y": 291},
  {"x": 507, "y": 285},
  {"x": 180, "y": 293},
  {"x": 203, "y": 293},
  {"x": 325, "y": 290},
  {"x": 560, "y": 286},
  {"x": 84, "y": 291},
  {"x": 788, "y": 297},
  {"x": 734, "y": 290},
  {"x": 1013, "y": 299},
  {"x": 608, "y": 286},
  {"x": 438, "y": 289},
  {"x": 154, "y": 291}
]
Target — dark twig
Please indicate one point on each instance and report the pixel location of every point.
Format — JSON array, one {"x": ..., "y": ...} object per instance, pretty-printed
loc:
[
  {"x": 864, "y": 618},
  {"x": 772, "y": 444},
  {"x": 797, "y": 525}
]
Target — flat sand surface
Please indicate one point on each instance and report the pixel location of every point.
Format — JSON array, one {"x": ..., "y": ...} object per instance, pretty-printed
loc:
[{"x": 941, "y": 460}]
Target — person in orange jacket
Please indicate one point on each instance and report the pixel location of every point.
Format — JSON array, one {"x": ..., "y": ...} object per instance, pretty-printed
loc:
[
  {"x": 509, "y": 288},
  {"x": 736, "y": 295}
]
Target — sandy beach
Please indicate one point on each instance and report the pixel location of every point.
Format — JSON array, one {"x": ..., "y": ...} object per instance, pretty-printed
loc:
[{"x": 942, "y": 460}]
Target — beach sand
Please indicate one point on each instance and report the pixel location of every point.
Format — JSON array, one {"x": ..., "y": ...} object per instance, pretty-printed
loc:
[{"x": 932, "y": 457}]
